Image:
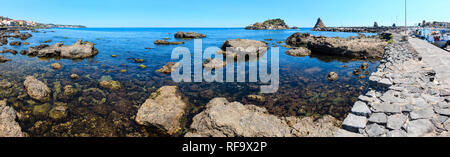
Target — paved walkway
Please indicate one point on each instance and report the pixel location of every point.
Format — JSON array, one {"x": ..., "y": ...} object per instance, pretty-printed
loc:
[{"x": 436, "y": 58}]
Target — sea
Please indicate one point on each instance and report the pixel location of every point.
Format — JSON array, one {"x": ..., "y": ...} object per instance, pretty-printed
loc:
[{"x": 304, "y": 90}]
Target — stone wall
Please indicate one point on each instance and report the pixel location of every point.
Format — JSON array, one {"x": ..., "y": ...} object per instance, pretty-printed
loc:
[{"x": 405, "y": 99}]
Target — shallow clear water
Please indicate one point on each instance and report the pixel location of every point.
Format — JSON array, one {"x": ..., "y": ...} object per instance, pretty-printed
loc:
[{"x": 304, "y": 88}]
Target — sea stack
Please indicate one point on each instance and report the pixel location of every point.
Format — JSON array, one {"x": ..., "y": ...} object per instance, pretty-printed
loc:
[
  {"x": 272, "y": 24},
  {"x": 319, "y": 25}
]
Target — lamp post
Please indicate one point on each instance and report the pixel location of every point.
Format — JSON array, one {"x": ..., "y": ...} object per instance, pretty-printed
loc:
[{"x": 406, "y": 22}]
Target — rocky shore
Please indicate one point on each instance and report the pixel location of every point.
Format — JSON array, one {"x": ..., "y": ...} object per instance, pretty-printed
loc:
[
  {"x": 233, "y": 119},
  {"x": 78, "y": 50},
  {"x": 405, "y": 99},
  {"x": 357, "y": 47}
]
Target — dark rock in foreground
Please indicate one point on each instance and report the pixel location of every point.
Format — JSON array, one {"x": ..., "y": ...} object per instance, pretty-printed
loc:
[
  {"x": 79, "y": 50},
  {"x": 191, "y": 35},
  {"x": 357, "y": 47},
  {"x": 273, "y": 24},
  {"x": 233, "y": 119},
  {"x": 164, "y": 109}
]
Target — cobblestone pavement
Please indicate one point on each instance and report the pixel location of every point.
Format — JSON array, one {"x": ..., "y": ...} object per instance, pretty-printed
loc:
[{"x": 409, "y": 94}]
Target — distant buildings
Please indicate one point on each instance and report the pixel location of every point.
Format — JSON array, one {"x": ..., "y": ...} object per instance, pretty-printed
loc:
[
  {"x": 435, "y": 24},
  {"x": 8, "y": 22}
]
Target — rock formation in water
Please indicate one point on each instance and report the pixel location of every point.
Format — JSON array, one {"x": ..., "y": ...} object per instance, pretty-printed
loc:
[
  {"x": 319, "y": 25},
  {"x": 165, "y": 42},
  {"x": 169, "y": 67},
  {"x": 37, "y": 89},
  {"x": 299, "y": 52},
  {"x": 79, "y": 50},
  {"x": 164, "y": 109},
  {"x": 357, "y": 47},
  {"x": 273, "y": 24},
  {"x": 215, "y": 63},
  {"x": 233, "y": 119},
  {"x": 4, "y": 59},
  {"x": 240, "y": 47},
  {"x": 189, "y": 35},
  {"x": 8, "y": 125}
]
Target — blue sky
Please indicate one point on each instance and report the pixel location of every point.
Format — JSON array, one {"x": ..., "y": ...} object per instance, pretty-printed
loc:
[{"x": 218, "y": 13}]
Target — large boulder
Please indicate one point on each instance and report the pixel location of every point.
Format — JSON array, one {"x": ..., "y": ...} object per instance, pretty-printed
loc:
[
  {"x": 319, "y": 25},
  {"x": 357, "y": 47},
  {"x": 273, "y": 24},
  {"x": 79, "y": 50},
  {"x": 164, "y": 109},
  {"x": 189, "y": 35},
  {"x": 299, "y": 52},
  {"x": 240, "y": 47},
  {"x": 37, "y": 89},
  {"x": 8, "y": 125},
  {"x": 233, "y": 119}
]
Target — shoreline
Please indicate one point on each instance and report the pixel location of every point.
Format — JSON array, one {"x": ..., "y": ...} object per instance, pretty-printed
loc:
[{"x": 406, "y": 99}]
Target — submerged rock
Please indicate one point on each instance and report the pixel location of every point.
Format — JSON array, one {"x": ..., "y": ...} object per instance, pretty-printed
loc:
[
  {"x": 74, "y": 76},
  {"x": 165, "y": 42},
  {"x": 9, "y": 51},
  {"x": 4, "y": 59},
  {"x": 69, "y": 90},
  {"x": 258, "y": 98},
  {"x": 8, "y": 125},
  {"x": 42, "y": 110},
  {"x": 37, "y": 89},
  {"x": 215, "y": 63},
  {"x": 110, "y": 84},
  {"x": 357, "y": 47},
  {"x": 169, "y": 67},
  {"x": 164, "y": 109},
  {"x": 332, "y": 76},
  {"x": 79, "y": 50},
  {"x": 242, "y": 47},
  {"x": 364, "y": 66},
  {"x": 56, "y": 66},
  {"x": 59, "y": 111},
  {"x": 4, "y": 84},
  {"x": 15, "y": 43},
  {"x": 224, "y": 119},
  {"x": 3, "y": 41},
  {"x": 189, "y": 35},
  {"x": 273, "y": 24},
  {"x": 299, "y": 51}
]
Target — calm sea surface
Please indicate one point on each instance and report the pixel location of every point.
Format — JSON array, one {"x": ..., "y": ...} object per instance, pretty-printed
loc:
[{"x": 95, "y": 111}]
